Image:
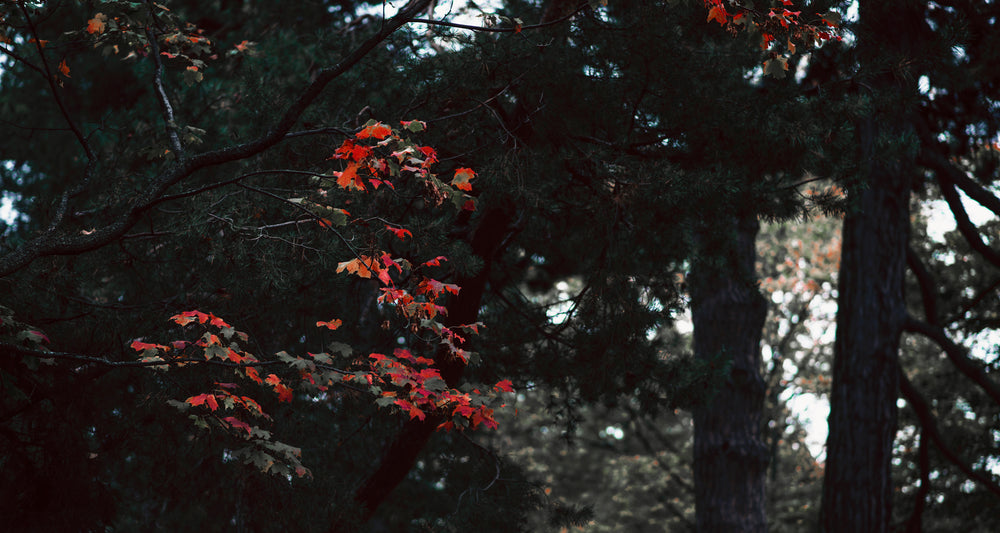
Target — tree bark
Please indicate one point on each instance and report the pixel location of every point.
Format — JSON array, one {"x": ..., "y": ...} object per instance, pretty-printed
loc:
[
  {"x": 730, "y": 458},
  {"x": 857, "y": 485}
]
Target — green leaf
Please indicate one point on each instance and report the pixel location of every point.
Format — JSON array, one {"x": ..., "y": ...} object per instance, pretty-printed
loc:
[
  {"x": 341, "y": 348},
  {"x": 776, "y": 67},
  {"x": 435, "y": 384},
  {"x": 832, "y": 17}
]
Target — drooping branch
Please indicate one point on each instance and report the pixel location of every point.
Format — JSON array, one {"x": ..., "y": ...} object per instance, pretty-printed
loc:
[
  {"x": 958, "y": 355},
  {"x": 53, "y": 242},
  {"x": 929, "y": 425}
]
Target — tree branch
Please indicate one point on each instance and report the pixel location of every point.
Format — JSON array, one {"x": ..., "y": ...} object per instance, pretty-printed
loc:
[
  {"x": 161, "y": 93},
  {"x": 515, "y": 29},
  {"x": 52, "y": 243},
  {"x": 980, "y": 194},
  {"x": 927, "y": 289},
  {"x": 965, "y": 226},
  {"x": 927, "y": 422},
  {"x": 956, "y": 354}
]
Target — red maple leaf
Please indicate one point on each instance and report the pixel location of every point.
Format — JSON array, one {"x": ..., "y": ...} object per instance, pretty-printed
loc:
[
  {"x": 237, "y": 423},
  {"x": 252, "y": 374},
  {"x": 399, "y": 232},
  {"x": 208, "y": 399}
]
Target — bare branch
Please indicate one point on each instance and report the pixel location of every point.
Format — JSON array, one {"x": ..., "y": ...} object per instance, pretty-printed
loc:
[
  {"x": 10, "y": 53},
  {"x": 161, "y": 93}
]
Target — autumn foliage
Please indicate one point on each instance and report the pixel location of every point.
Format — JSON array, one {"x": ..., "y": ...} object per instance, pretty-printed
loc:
[{"x": 376, "y": 157}]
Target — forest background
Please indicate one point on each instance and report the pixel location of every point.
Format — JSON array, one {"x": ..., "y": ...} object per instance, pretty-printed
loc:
[{"x": 367, "y": 267}]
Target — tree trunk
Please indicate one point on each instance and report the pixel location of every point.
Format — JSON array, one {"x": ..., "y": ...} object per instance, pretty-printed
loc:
[
  {"x": 857, "y": 486},
  {"x": 730, "y": 459}
]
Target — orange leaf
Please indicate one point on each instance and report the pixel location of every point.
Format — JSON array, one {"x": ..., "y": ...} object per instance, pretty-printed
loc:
[
  {"x": 378, "y": 130},
  {"x": 273, "y": 379},
  {"x": 235, "y": 356},
  {"x": 504, "y": 385},
  {"x": 96, "y": 24},
  {"x": 717, "y": 13},
  {"x": 206, "y": 398},
  {"x": 349, "y": 179},
  {"x": 462, "y": 177},
  {"x": 252, "y": 374},
  {"x": 63, "y": 69},
  {"x": 332, "y": 324},
  {"x": 362, "y": 267}
]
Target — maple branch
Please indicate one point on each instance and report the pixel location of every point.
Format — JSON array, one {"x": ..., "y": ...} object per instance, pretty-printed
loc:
[
  {"x": 52, "y": 243},
  {"x": 312, "y": 215},
  {"x": 923, "y": 411},
  {"x": 10, "y": 53},
  {"x": 401, "y": 454},
  {"x": 223, "y": 183},
  {"x": 50, "y": 79},
  {"x": 319, "y": 131},
  {"x": 958, "y": 355},
  {"x": 10, "y": 348}
]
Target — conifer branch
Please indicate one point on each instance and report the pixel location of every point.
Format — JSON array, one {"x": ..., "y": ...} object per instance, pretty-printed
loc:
[
  {"x": 965, "y": 226},
  {"x": 927, "y": 422},
  {"x": 53, "y": 243},
  {"x": 958, "y": 355}
]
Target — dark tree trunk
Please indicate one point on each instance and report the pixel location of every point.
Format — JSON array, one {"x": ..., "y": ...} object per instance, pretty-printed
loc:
[
  {"x": 857, "y": 486},
  {"x": 730, "y": 459}
]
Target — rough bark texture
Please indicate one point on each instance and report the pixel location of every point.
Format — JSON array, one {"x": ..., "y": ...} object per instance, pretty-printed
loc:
[
  {"x": 730, "y": 458},
  {"x": 857, "y": 485}
]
